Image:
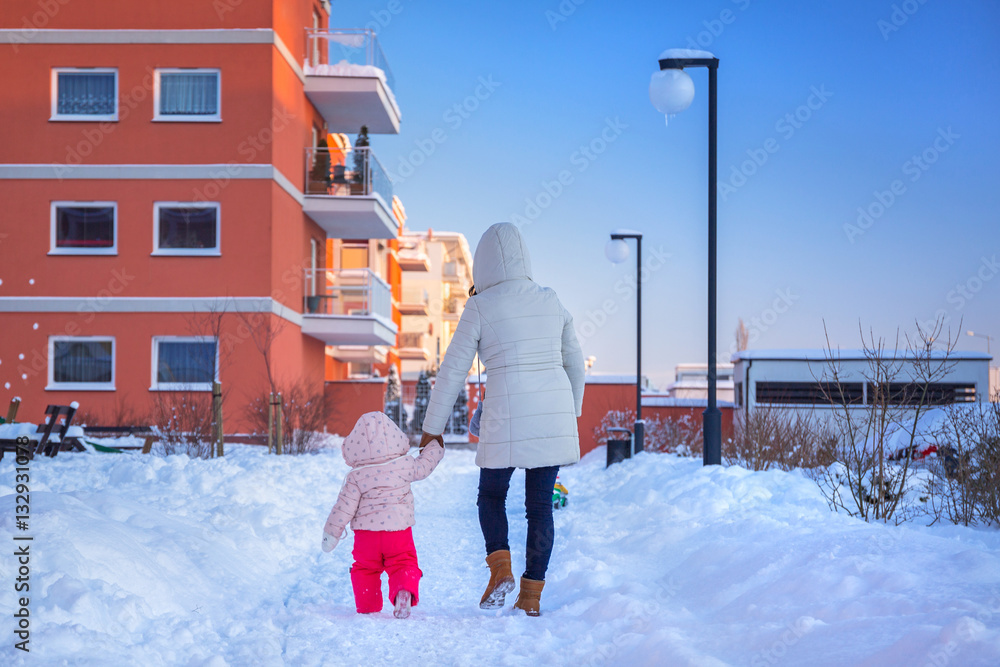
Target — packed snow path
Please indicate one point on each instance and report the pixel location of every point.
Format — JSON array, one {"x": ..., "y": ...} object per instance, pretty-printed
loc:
[{"x": 143, "y": 560}]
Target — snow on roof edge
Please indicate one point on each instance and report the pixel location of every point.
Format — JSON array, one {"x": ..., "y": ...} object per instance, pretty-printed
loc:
[{"x": 820, "y": 354}]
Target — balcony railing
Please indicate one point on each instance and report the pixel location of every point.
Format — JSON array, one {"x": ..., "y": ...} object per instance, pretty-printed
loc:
[
  {"x": 346, "y": 172},
  {"x": 411, "y": 339},
  {"x": 346, "y": 52},
  {"x": 453, "y": 271},
  {"x": 347, "y": 292}
]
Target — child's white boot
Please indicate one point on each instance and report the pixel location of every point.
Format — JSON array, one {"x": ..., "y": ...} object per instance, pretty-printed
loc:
[{"x": 402, "y": 608}]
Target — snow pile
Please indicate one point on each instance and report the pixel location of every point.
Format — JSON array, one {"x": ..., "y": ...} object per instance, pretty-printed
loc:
[
  {"x": 344, "y": 68},
  {"x": 169, "y": 560}
]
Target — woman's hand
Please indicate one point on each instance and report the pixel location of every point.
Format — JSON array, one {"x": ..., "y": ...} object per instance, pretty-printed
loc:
[{"x": 426, "y": 438}]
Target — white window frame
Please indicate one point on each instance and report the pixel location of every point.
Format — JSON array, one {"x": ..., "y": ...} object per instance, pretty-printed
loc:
[
  {"x": 56, "y": 116},
  {"x": 155, "y": 385},
  {"x": 192, "y": 118},
  {"x": 209, "y": 252},
  {"x": 56, "y": 250},
  {"x": 79, "y": 386}
]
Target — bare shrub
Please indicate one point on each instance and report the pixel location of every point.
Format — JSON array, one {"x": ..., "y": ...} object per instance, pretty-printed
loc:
[
  {"x": 183, "y": 420},
  {"x": 303, "y": 417},
  {"x": 965, "y": 472},
  {"x": 865, "y": 482},
  {"x": 659, "y": 435},
  {"x": 784, "y": 439},
  {"x": 684, "y": 436},
  {"x": 122, "y": 413}
]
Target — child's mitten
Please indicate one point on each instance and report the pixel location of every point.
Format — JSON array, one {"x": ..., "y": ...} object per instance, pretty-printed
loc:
[{"x": 329, "y": 542}]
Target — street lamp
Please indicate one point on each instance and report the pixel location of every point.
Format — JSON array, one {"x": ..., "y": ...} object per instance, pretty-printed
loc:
[
  {"x": 979, "y": 335},
  {"x": 671, "y": 91},
  {"x": 616, "y": 250}
]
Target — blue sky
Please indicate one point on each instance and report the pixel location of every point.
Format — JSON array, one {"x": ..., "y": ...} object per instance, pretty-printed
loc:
[{"x": 840, "y": 97}]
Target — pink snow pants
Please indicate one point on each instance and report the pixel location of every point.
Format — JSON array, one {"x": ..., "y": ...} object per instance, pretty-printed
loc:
[{"x": 377, "y": 551}]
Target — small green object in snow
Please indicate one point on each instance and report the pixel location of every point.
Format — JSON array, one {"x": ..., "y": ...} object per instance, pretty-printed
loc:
[
  {"x": 103, "y": 448},
  {"x": 559, "y": 495}
]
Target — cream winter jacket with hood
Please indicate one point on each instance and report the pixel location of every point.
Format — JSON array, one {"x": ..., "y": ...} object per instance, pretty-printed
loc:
[
  {"x": 535, "y": 370},
  {"x": 376, "y": 493}
]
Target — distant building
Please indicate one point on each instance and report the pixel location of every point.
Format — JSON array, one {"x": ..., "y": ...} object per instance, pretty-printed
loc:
[
  {"x": 802, "y": 379},
  {"x": 437, "y": 275},
  {"x": 692, "y": 382}
]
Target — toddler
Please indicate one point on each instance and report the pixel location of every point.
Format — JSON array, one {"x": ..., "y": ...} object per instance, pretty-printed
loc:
[{"x": 377, "y": 502}]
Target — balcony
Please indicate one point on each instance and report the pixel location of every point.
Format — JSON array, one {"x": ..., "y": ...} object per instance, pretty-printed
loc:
[
  {"x": 454, "y": 272},
  {"x": 349, "y": 82},
  {"x": 414, "y": 345},
  {"x": 452, "y": 309},
  {"x": 349, "y": 194},
  {"x": 348, "y": 307},
  {"x": 415, "y": 301},
  {"x": 414, "y": 259}
]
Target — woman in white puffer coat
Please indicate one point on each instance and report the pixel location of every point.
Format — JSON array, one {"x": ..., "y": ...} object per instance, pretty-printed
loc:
[{"x": 534, "y": 393}]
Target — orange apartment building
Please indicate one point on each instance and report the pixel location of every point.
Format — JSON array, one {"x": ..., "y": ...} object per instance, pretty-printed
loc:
[{"x": 176, "y": 188}]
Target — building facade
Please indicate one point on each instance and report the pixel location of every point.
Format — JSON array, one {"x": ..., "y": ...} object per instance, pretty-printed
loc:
[
  {"x": 691, "y": 381},
  {"x": 804, "y": 379},
  {"x": 437, "y": 275},
  {"x": 177, "y": 210}
]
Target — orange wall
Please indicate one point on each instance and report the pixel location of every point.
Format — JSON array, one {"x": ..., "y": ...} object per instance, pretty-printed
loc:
[
  {"x": 241, "y": 270},
  {"x": 598, "y": 400},
  {"x": 241, "y": 137},
  {"x": 116, "y": 14},
  {"x": 348, "y": 400}
]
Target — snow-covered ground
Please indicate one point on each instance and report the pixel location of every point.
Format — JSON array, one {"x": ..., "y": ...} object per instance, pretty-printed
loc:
[{"x": 143, "y": 560}]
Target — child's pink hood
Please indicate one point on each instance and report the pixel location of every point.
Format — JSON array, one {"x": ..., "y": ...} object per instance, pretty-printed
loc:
[
  {"x": 376, "y": 492},
  {"x": 374, "y": 439}
]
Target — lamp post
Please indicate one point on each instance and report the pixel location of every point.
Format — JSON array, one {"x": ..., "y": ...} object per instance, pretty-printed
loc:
[
  {"x": 979, "y": 335},
  {"x": 617, "y": 251},
  {"x": 671, "y": 91}
]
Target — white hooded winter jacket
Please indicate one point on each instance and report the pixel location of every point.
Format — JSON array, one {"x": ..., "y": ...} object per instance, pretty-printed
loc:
[{"x": 535, "y": 372}]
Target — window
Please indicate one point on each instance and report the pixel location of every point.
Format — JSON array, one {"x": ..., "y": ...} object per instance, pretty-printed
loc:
[
  {"x": 181, "y": 228},
  {"x": 187, "y": 95},
  {"x": 189, "y": 364},
  {"x": 354, "y": 256},
  {"x": 81, "y": 363},
  {"x": 916, "y": 393},
  {"x": 360, "y": 369},
  {"x": 84, "y": 94},
  {"x": 84, "y": 228},
  {"x": 809, "y": 393}
]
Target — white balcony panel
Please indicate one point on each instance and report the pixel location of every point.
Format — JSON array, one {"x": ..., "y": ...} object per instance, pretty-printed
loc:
[
  {"x": 358, "y": 353},
  {"x": 361, "y": 217},
  {"x": 350, "y": 329},
  {"x": 348, "y": 102}
]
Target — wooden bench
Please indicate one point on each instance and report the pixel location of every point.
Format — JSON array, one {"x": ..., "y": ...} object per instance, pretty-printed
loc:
[
  {"x": 149, "y": 436},
  {"x": 44, "y": 444}
]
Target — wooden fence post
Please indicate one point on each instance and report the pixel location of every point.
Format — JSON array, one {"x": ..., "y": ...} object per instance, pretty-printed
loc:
[
  {"x": 270, "y": 422},
  {"x": 217, "y": 417},
  {"x": 15, "y": 403},
  {"x": 280, "y": 433}
]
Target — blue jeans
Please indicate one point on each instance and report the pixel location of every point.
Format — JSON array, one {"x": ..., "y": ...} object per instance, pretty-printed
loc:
[{"x": 492, "y": 503}]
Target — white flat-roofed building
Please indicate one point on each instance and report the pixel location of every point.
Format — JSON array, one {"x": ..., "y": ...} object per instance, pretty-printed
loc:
[
  {"x": 802, "y": 379},
  {"x": 691, "y": 381}
]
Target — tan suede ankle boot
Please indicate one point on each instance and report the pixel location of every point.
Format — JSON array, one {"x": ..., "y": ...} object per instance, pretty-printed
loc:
[
  {"x": 501, "y": 580},
  {"x": 529, "y": 598}
]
